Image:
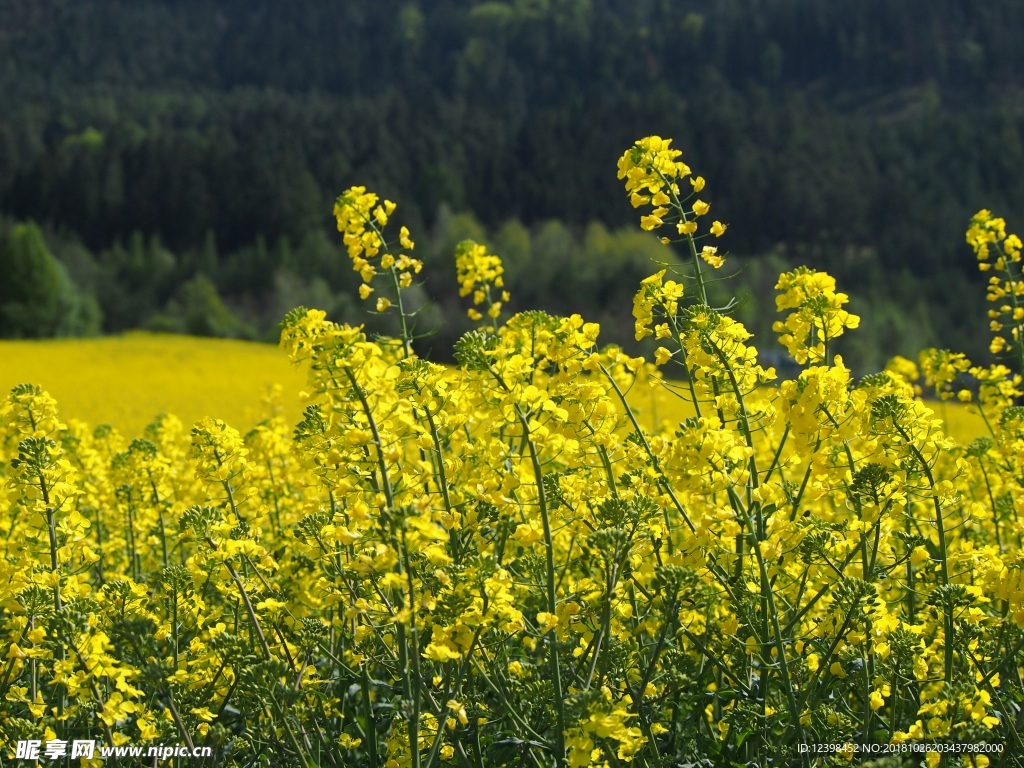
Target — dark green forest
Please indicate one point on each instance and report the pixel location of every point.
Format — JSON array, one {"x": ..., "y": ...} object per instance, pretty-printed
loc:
[{"x": 171, "y": 164}]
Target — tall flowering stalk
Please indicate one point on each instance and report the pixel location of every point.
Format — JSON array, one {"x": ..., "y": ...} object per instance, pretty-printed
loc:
[{"x": 1000, "y": 253}]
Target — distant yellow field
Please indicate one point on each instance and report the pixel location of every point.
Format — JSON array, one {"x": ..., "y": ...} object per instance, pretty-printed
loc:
[
  {"x": 656, "y": 406},
  {"x": 127, "y": 380},
  {"x": 963, "y": 422}
]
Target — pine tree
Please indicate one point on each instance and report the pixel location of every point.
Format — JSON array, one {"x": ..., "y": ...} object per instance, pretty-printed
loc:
[{"x": 30, "y": 293}]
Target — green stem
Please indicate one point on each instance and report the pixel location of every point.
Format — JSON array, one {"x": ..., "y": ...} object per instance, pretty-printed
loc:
[
  {"x": 550, "y": 584},
  {"x": 677, "y": 203},
  {"x": 943, "y": 559},
  {"x": 160, "y": 512},
  {"x": 992, "y": 501},
  {"x": 371, "y": 727},
  {"x": 406, "y": 334},
  {"x": 248, "y": 607},
  {"x": 414, "y": 718},
  {"x": 780, "y": 644}
]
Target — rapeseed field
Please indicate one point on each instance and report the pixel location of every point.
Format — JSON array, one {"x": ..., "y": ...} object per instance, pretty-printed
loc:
[
  {"x": 126, "y": 381},
  {"x": 530, "y": 558}
]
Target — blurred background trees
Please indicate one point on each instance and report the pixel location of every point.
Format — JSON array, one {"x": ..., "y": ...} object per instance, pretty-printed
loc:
[
  {"x": 179, "y": 159},
  {"x": 37, "y": 297}
]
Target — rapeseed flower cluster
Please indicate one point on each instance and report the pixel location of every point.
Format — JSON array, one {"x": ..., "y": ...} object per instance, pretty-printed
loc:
[
  {"x": 1000, "y": 253},
  {"x": 652, "y": 173},
  {"x": 497, "y": 564},
  {"x": 362, "y": 218},
  {"x": 479, "y": 274},
  {"x": 816, "y": 315}
]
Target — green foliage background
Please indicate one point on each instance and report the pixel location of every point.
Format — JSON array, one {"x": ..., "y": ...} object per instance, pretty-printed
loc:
[{"x": 180, "y": 156}]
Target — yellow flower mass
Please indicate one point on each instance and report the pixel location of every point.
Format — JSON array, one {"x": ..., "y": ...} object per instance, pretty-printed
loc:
[{"x": 529, "y": 557}]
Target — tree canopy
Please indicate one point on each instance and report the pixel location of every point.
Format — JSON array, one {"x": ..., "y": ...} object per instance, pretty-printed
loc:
[{"x": 174, "y": 139}]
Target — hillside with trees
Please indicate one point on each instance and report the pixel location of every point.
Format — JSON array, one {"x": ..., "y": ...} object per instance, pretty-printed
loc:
[{"x": 171, "y": 165}]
